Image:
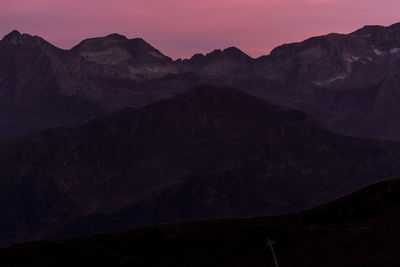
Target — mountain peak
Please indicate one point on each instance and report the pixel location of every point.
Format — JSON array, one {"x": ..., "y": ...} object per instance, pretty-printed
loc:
[
  {"x": 116, "y": 36},
  {"x": 16, "y": 38},
  {"x": 99, "y": 43},
  {"x": 395, "y": 26},
  {"x": 232, "y": 49},
  {"x": 235, "y": 52},
  {"x": 209, "y": 98},
  {"x": 115, "y": 48},
  {"x": 367, "y": 29},
  {"x": 13, "y": 36},
  {"x": 231, "y": 52}
]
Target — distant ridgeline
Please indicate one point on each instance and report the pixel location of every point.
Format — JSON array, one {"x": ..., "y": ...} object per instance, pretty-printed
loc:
[{"x": 349, "y": 82}]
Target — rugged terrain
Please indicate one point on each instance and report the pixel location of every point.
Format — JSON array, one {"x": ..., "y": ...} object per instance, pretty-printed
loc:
[
  {"x": 42, "y": 86},
  {"x": 210, "y": 152},
  {"x": 361, "y": 229},
  {"x": 348, "y": 82}
]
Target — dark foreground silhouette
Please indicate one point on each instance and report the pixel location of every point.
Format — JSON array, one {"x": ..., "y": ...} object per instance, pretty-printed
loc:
[{"x": 361, "y": 229}]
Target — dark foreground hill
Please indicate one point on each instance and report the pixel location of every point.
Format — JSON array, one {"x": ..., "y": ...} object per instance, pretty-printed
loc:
[
  {"x": 211, "y": 152},
  {"x": 361, "y": 229}
]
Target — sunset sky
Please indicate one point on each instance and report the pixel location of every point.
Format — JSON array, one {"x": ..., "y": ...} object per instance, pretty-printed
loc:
[{"x": 180, "y": 28}]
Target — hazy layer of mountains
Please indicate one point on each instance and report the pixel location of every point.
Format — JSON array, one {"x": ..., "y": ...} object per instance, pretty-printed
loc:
[
  {"x": 210, "y": 152},
  {"x": 360, "y": 229},
  {"x": 113, "y": 134},
  {"x": 347, "y": 82}
]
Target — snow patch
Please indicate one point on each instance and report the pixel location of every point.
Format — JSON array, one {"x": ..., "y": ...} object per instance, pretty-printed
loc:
[
  {"x": 379, "y": 52},
  {"x": 395, "y": 50},
  {"x": 155, "y": 54},
  {"x": 322, "y": 83},
  {"x": 339, "y": 77},
  {"x": 110, "y": 56},
  {"x": 353, "y": 59}
]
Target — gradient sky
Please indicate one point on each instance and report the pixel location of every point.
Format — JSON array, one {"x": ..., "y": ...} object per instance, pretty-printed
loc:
[{"x": 180, "y": 28}]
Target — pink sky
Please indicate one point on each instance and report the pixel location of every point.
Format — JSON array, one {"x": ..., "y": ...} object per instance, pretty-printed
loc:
[{"x": 180, "y": 28}]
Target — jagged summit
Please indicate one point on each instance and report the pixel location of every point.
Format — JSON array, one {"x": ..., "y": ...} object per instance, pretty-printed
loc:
[
  {"x": 16, "y": 38},
  {"x": 227, "y": 53},
  {"x": 15, "y": 34},
  {"x": 234, "y": 51},
  {"x": 140, "y": 74},
  {"x": 230, "y": 52},
  {"x": 115, "y": 49},
  {"x": 218, "y": 62},
  {"x": 330, "y": 58},
  {"x": 116, "y": 36}
]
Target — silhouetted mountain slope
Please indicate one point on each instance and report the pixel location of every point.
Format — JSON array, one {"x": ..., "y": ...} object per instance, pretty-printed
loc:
[
  {"x": 361, "y": 229},
  {"x": 209, "y": 152}
]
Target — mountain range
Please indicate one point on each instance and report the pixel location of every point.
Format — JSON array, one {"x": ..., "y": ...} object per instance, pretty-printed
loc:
[
  {"x": 113, "y": 134},
  {"x": 210, "y": 152},
  {"x": 348, "y": 82}
]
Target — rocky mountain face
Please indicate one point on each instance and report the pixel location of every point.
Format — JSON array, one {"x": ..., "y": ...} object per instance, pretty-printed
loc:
[
  {"x": 159, "y": 151},
  {"x": 30, "y": 94},
  {"x": 115, "y": 49},
  {"x": 42, "y": 86},
  {"x": 360, "y": 229},
  {"x": 346, "y": 81},
  {"x": 207, "y": 153}
]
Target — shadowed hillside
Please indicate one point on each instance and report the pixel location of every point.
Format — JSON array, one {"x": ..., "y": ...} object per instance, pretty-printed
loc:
[
  {"x": 361, "y": 229},
  {"x": 210, "y": 152}
]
